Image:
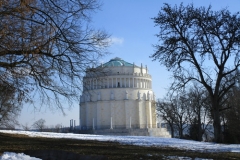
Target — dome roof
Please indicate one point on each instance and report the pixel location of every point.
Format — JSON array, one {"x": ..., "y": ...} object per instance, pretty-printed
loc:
[{"x": 116, "y": 62}]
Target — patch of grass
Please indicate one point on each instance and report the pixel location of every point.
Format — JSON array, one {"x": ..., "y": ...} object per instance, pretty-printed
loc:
[{"x": 110, "y": 150}]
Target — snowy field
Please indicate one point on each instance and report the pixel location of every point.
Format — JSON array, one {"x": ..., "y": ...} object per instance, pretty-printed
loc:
[{"x": 136, "y": 140}]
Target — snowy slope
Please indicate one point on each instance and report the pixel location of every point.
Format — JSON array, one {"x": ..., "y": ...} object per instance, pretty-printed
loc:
[{"x": 139, "y": 140}]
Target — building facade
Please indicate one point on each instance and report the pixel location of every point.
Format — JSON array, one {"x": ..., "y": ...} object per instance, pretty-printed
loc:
[{"x": 117, "y": 95}]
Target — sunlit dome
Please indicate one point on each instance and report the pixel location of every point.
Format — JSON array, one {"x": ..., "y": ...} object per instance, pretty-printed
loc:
[{"x": 116, "y": 62}]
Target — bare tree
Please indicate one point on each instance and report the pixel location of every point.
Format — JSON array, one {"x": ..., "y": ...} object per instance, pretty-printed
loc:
[
  {"x": 164, "y": 111},
  {"x": 231, "y": 118},
  {"x": 26, "y": 127},
  {"x": 39, "y": 125},
  {"x": 186, "y": 112},
  {"x": 200, "y": 45},
  {"x": 175, "y": 111},
  {"x": 200, "y": 112},
  {"x": 46, "y": 46},
  {"x": 57, "y": 128},
  {"x": 183, "y": 113}
]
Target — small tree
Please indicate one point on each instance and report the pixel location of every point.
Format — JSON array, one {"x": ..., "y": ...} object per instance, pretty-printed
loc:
[
  {"x": 174, "y": 110},
  {"x": 57, "y": 128},
  {"x": 25, "y": 127},
  {"x": 164, "y": 111},
  {"x": 39, "y": 124},
  {"x": 200, "y": 112}
]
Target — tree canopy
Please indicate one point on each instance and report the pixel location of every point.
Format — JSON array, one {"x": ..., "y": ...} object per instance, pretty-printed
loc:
[
  {"x": 46, "y": 46},
  {"x": 200, "y": 45}
]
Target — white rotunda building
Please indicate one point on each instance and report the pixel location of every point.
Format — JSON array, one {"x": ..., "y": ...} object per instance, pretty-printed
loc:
[{"x": 118, "y": 97}]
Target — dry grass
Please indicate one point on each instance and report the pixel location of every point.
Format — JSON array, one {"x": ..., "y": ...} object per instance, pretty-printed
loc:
[{"x": 109, "y": 150}]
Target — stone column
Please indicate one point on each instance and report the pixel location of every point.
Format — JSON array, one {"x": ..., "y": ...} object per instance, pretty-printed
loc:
[
  {"x": 90, "y": 84},
  {"x": 112, "y": 82},
  {"x": 149, "y": 116},
  {"x": 100, "y": 82},
  {"x": 125, "y": 79},
  {"x": 129, "y": 84},
  {"x": 126, "y": 83},
  {"x": 133, "y": 82},
  {"x": 96, "y": 84}
]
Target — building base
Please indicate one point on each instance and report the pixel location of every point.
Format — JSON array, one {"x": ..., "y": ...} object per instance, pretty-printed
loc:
[{"x": 153, "y": 132}]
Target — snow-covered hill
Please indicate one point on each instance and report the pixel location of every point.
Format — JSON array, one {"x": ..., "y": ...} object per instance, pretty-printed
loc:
[{"x": 139, "y": 140}]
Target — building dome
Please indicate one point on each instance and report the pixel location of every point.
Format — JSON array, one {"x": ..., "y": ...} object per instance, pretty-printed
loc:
[{"x": 116, "y": 62}]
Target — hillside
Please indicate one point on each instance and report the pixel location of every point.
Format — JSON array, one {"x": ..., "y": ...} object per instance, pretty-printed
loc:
[{"x": 111, "y": 147}]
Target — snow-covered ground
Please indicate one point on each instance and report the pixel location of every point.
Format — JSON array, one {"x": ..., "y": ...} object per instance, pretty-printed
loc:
[
  {"x": 139, "y": 140},
  {"x": 16, "y": 156},
  {"x": 21, "y": 156}
]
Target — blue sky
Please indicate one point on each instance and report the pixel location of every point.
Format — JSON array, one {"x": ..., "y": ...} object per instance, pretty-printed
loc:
[{"x": 133, "y": 35}]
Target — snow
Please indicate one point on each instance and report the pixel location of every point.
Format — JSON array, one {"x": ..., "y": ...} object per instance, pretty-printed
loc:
[
  {"x": 139, "y": 140},
  {"x": 183, "y": 158},
  {"x": 16, "y": 156},
  {"x": 133, "y": 140}
]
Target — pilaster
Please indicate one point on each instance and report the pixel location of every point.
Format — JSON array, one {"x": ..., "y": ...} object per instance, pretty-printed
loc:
[
  {"x": 140, "y": 114},
  {"x": 98, "y": 115},
  {"x": 112, "y": 117},
  {"x": 149, "y": 114},
  {"x": 127, "y": 113}
]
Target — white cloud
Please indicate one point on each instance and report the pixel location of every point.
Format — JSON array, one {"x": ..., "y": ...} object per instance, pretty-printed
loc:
[{"x": 116, "y": 40}]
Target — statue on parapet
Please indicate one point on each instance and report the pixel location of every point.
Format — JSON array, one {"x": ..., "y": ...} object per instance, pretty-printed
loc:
[{"x": 139, "y": 95}]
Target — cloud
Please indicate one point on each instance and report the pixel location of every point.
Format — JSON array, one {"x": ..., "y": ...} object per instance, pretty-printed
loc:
[{"x": 116, "y": 40}]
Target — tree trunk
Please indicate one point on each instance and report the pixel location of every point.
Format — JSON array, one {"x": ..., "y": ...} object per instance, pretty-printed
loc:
[
  {"x": 217, "y": 126},
  {"x": 180, "y": 132},
  {"x": 172, "y": 130},
  {"x": 181, "y": 129},
  {"x": 199, "y": 136}
]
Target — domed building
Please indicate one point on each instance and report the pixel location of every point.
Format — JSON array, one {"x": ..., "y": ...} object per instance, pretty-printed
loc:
[{"x": 117, "y": 98}]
